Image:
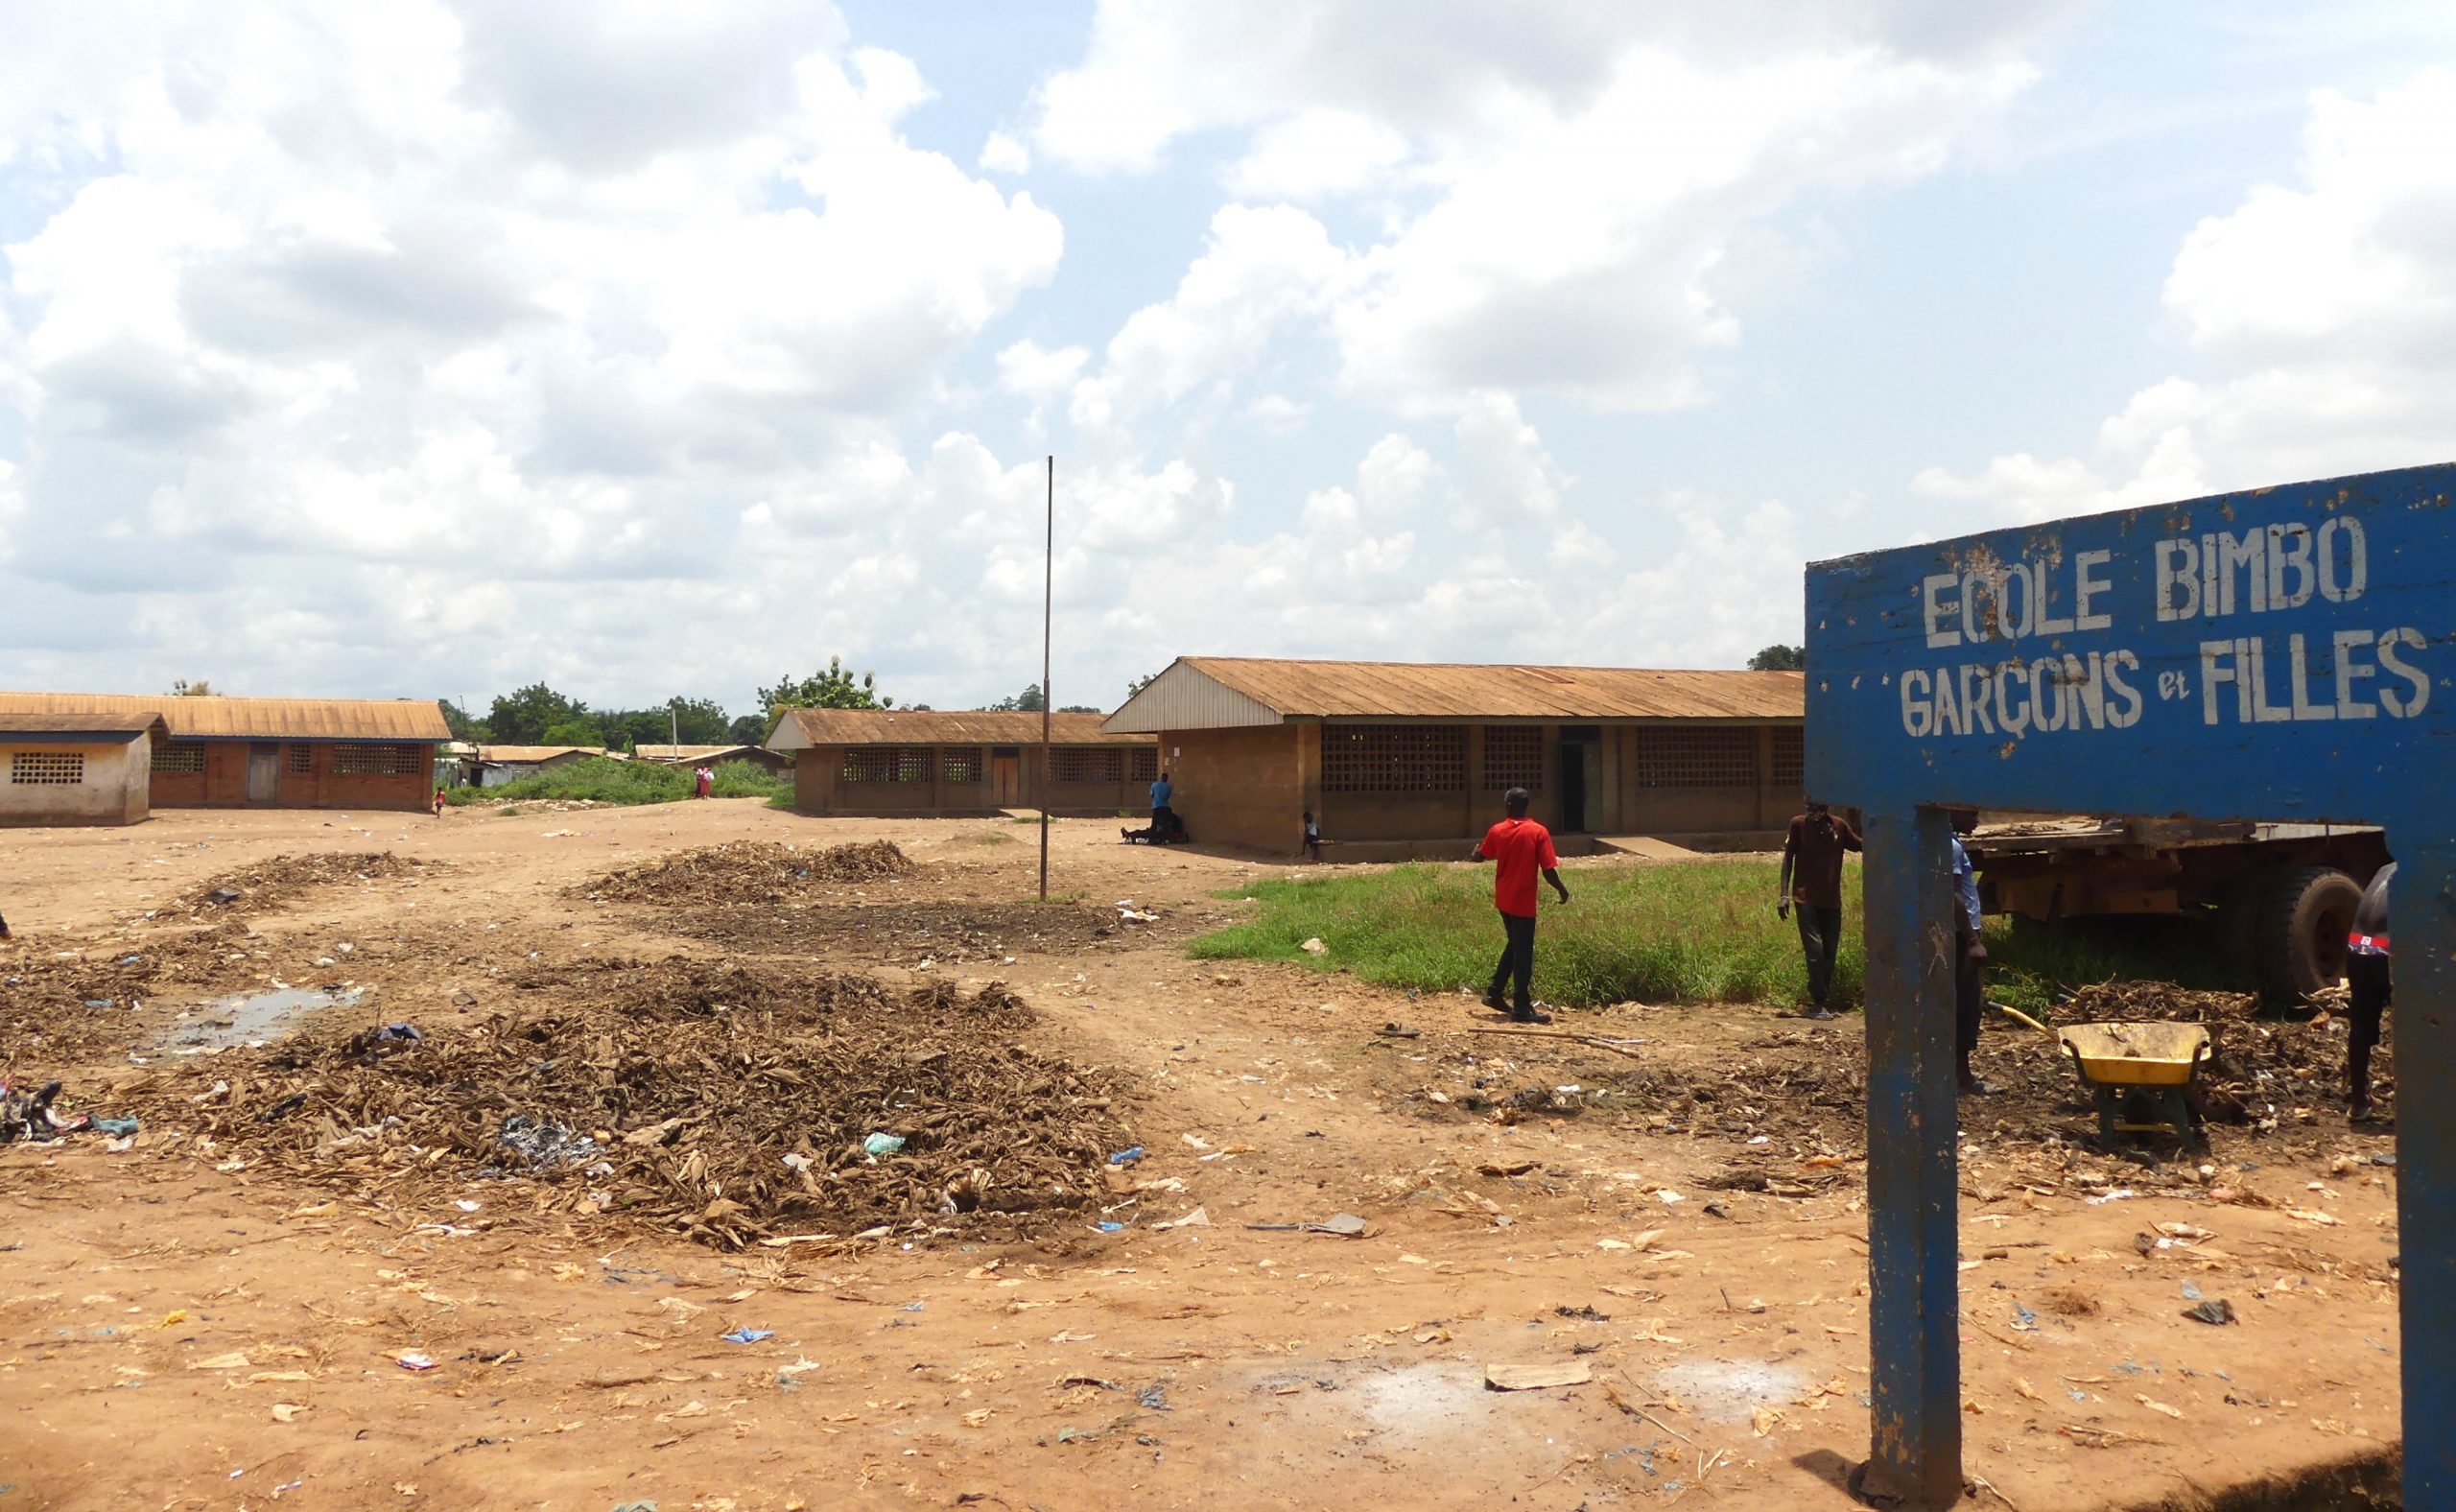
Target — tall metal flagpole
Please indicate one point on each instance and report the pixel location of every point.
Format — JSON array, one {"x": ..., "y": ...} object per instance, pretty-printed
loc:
[{"x": 1048, "y": 600}]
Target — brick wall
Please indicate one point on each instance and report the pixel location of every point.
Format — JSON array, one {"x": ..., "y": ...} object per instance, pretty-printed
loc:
[
  {"x": 1243, "y": 787},
  {"x": 223, "y": 781}
]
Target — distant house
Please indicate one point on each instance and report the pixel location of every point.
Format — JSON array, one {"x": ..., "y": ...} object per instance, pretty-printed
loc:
[
  {"x": 273, "y": 753},
  {"x": 924, "y": 762},
  {"x": 77, "y": 768},
  {"x": 498, "y": 764},
  {"x": 1399, "y": 758},
  {"x": 712, "y": 756}
]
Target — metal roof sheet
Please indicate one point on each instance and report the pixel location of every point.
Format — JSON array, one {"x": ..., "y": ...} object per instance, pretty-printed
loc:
[
  {"x": 107, "y": 726},
  {"x": 215, "y": 718},
  {"x": 805, "y": 727},
  {"x": 524, "y": 754},
  {"x": 1209, "y": 692},
  {"x": 687, "y": 752}
]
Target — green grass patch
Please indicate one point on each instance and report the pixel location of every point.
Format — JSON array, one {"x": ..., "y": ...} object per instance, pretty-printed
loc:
[
  {"x": 741, "y": 779},
  {"x": 1702, "y": 932},
  {"x": 604, "y": 779}
]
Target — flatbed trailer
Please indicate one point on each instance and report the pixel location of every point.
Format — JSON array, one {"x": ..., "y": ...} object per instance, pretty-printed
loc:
[{"x": 2277, "y": 899}]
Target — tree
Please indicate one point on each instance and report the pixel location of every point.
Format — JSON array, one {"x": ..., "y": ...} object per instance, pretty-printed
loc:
[
  {"x": 1078, "y": 708},
  {"x": 1779, "y": 658},
  {"x": 1135, "y": 685},
  {"x": 701, "y": 721},
  {"x": 1028, "y": 701},
  {"x": 833, "y": 689},
  {"x": 751, "y": 729},
  {"x": 570, "y": 732},
  {"x": 199, "y": 689},
  {"x": 524, "y": 718},
  {"x": 456, "y": 718}
]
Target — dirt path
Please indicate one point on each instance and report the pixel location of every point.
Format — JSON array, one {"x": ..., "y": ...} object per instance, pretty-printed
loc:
[{"x": 193, "y": 1328}]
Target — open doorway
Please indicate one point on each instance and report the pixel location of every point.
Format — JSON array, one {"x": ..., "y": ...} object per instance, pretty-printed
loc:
[{"x": 1580, "y": 767}]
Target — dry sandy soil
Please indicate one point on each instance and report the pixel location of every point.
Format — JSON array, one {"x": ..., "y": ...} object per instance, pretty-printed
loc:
[{"x": 217, "y": 1328}]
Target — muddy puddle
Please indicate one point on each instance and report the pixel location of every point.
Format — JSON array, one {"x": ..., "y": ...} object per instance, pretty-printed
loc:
[{"x": 253, "y": 1018}]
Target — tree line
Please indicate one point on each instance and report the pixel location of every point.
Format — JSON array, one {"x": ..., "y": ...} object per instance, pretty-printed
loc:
[{"x": 539, "y": 715}]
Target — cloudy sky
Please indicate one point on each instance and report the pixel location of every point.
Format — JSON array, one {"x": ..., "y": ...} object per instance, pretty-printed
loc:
[{"x": 432, "y": 349}]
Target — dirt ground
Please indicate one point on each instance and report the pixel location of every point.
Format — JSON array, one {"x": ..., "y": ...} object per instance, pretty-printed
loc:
[{"x": 195, "y": 1316}]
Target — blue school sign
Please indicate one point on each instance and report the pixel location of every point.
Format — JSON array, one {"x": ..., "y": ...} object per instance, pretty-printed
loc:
[{"x": 2284, "y": 654}]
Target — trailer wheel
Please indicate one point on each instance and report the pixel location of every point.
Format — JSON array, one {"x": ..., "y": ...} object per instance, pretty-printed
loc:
[{"x": 2304, "y": 914}]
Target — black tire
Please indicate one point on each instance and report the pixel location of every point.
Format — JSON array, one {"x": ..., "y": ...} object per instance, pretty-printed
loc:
[{"x": 2304, "y": 914}]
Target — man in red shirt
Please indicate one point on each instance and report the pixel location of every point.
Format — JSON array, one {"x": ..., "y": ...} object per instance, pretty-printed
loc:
[{"x": 1523, "y": 848}]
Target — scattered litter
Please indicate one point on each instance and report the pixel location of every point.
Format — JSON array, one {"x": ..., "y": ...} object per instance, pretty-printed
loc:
[
  {"x": 415, "y": 1360},
  {"x": 1536, "y": 1376},
  {"x": 546, "y": 1143},
  {"x": 1343, "y": 1225},
  {"x": 747, "y": 1335},
  {"x": 1127, "y": 1156},
  {"x": 1315, "y": 947},
  {"x": 2217, "y": 1310},
  {"x": 883, "y": 1145}
]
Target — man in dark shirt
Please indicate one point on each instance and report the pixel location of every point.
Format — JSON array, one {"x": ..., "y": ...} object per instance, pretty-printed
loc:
[
  {"x": 1522, "y": 847},
  {"x": 2367, "y": 974},
  {"x": 1812, "y": 883}
]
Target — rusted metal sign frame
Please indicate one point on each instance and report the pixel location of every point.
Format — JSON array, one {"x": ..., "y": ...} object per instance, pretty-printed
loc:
[{"x": 2285, "y": 654}]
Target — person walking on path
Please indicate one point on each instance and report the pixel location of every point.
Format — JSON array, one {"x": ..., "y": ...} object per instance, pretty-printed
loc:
[
  {"x": 1520, "y": 847},
  {"x": 1812, "y": 883},
  {"x": 2366, "y": 974},
  {"x": 702, "y": 781},
  {"x": 1970, "y": 958}
]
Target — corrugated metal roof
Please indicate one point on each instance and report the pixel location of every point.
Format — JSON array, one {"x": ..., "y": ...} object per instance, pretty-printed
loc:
[
  {"x": 1217, "y": 692},
  {"x": 113, "y": 727},
  {"x": 686, "y": 752},
  {"x": 403, "y": 720},
  {"x": 534, "y": 753},
  {"x": 807, "y": 727}
]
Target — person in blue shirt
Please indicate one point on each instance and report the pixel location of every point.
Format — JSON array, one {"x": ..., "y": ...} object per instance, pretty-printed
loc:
[
  {"x": 1969, "y": 956},
  {"x": 1162, "y": 815}
]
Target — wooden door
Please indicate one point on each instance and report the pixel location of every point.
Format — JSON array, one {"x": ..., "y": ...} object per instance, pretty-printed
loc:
[
  {"x": 1006, "y": 778},
  {"x": 263, "y": 773}
]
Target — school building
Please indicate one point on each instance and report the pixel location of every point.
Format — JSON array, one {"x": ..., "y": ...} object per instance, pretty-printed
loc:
[
  {"x": 711, "y": 756},
  {"x": 271, "y": 753},
  {"x": 77, "y": 769},
  {"x": 1398, "y": 759},
  {"x": 917, "y": 762}
]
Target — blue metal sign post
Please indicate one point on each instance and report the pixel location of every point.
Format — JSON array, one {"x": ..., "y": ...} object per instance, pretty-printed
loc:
[{"x": 2282, "y": 654}]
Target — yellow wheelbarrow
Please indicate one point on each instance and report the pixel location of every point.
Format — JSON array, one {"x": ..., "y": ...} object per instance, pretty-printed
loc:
[{"x": 2141, "y": 1075}]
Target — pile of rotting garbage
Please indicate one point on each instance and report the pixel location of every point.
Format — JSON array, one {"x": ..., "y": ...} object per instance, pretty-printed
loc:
[{"x": 728, "y": 1103}]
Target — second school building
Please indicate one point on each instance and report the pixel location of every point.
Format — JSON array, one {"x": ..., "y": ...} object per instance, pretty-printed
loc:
[
  {"x": 919, "y": 762},
  {"x": 1396, "y": 759}
]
